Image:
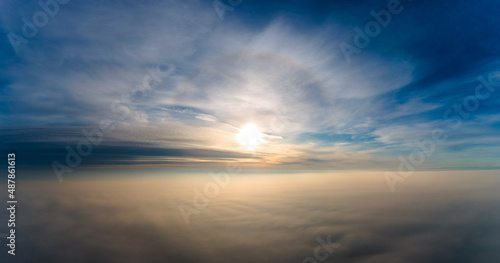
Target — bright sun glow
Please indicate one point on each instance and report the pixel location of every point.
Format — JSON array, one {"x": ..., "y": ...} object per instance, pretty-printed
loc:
[{"x": 250, "y": 137}]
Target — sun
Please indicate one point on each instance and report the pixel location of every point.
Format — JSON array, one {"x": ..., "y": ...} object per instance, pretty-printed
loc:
[{"x": 250, "y": 137}]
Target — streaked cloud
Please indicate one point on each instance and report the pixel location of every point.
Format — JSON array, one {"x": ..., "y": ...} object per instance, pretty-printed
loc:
[{"x": 282, "y": 70}]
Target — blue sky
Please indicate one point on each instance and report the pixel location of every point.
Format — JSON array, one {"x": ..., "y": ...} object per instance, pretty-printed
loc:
[{"x": 276, "y": 64}]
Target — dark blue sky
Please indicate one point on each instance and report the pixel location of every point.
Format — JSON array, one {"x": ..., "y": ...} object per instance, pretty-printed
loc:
[{"x": 177, "y": 81}]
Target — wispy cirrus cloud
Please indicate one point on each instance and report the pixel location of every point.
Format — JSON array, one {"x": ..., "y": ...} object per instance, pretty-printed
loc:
[{"x": 283, "y": 71}]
